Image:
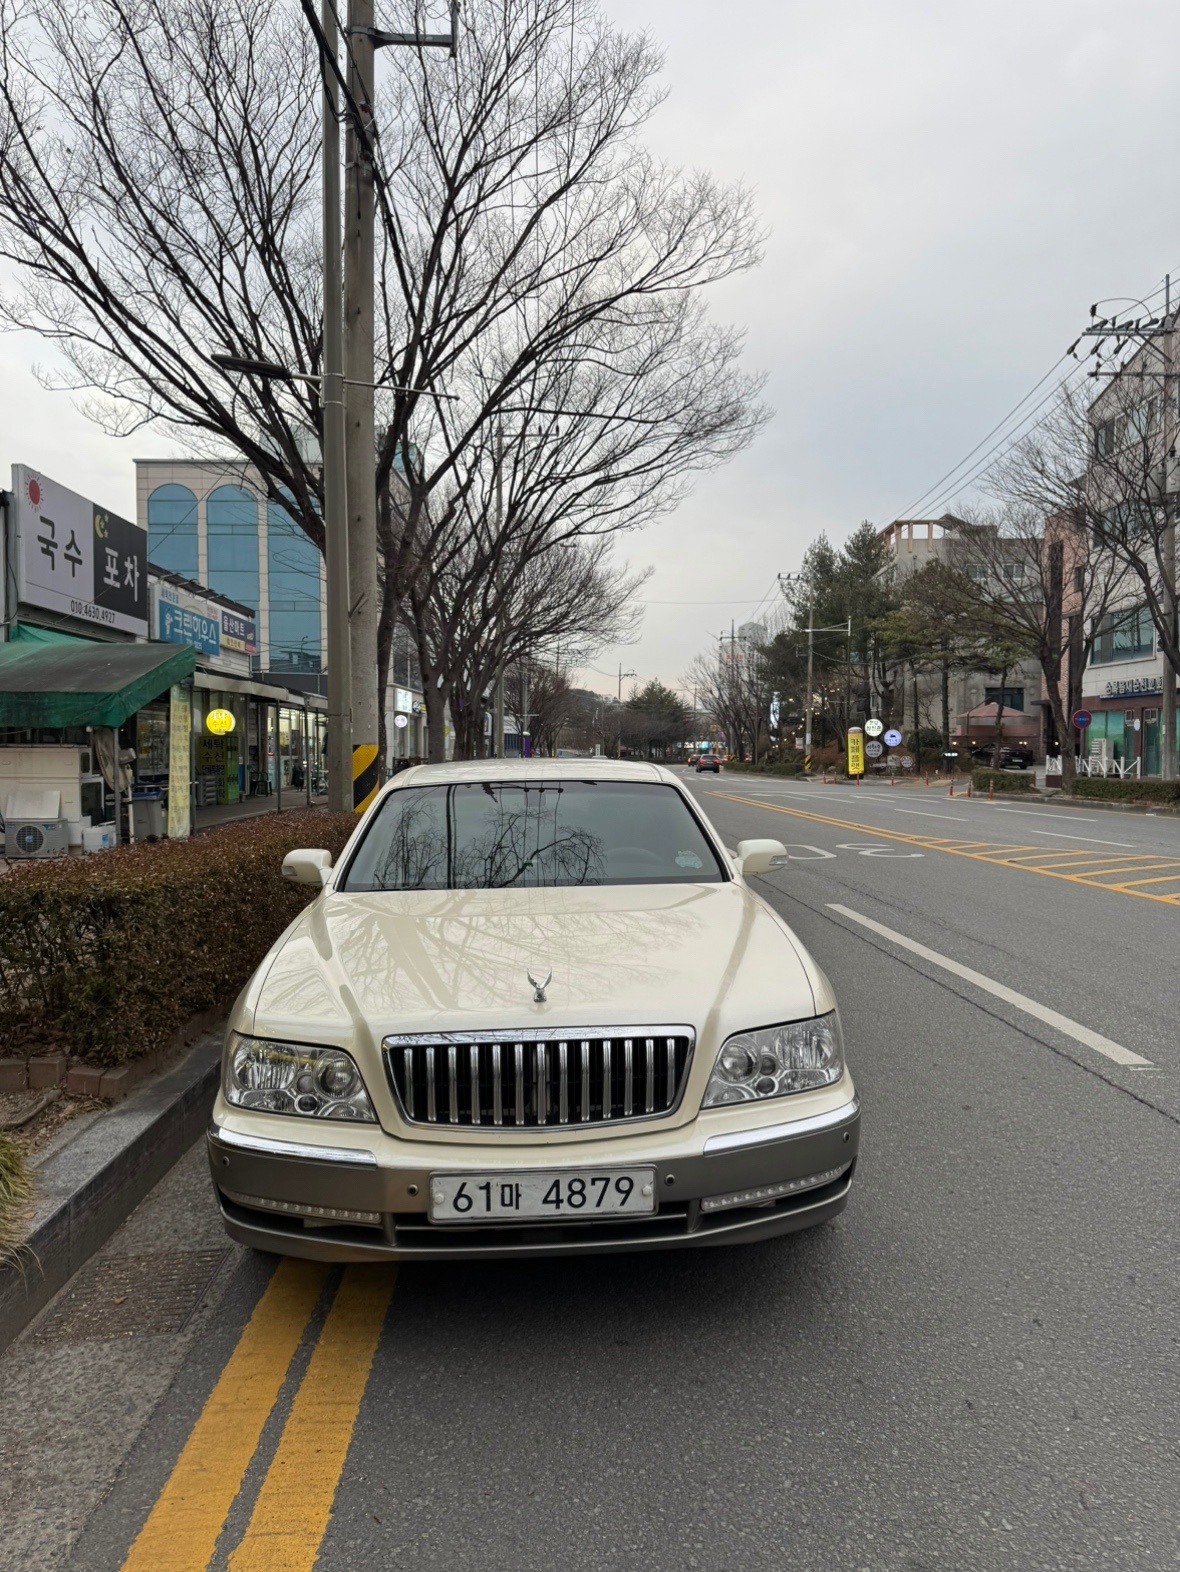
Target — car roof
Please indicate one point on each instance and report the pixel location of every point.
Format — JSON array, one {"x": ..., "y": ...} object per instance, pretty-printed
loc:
[{"x": 480, "y": 770}]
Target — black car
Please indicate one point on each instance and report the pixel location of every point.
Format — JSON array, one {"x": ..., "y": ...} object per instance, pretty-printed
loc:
[
  {"x": 1009, "y": 756},
  {"x": 709, "y": 761}
]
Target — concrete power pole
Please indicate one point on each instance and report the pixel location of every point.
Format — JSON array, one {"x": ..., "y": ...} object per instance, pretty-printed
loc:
[
  {"x": 1168, "y": 763},
  {"x": 335, "y": 500},
  {"x": 498, "y": 709},
  {"x": 364, "y": 608}
]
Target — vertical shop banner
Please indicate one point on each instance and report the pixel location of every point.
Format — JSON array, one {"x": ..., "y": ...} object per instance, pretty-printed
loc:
[
  {"x": 856, "y": 751},
  {"x": 180, "y": 731},
  {"x": 76, "y": 558}
]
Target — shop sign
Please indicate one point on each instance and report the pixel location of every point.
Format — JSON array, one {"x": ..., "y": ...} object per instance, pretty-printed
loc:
[
  {"x": 180, "y": 722},
  {"x": 76, "y": 558},
  {"x": 219, "y": 722},
  {"x": 177, "y": 624},
  {"x": 856, "y": 752},
  {"x": 1128, "y": 687},
  {"x": 238, "y": 633}
]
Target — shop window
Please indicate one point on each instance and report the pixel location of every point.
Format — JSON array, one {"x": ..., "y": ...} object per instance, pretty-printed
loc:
[
  {"x": 231, "y": 527},
  {"x": 1123, "y": 635},
  {"x": 293, "y": 565},
  {"x": 172, "y": 530}
]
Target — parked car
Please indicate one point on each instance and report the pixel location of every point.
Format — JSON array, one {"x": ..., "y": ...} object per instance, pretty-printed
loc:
[
  {"x": 709, "y": 761},
  {"x": 534, "y": 1009},
  {"x": 1009, "y": 756}
]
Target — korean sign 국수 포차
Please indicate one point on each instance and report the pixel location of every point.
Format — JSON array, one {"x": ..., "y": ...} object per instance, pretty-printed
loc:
[{"x": 76, "y": 558}]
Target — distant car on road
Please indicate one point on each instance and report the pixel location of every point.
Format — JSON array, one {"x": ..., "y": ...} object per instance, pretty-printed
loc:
[
  {"x": 1010, "y": 756},
  {"x": 691, "y": 760},
  {"x": 708, "y": 761}
]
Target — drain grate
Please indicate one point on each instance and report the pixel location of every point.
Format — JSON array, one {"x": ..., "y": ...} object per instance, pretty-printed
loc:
[{"x": 127, "y": 1295}]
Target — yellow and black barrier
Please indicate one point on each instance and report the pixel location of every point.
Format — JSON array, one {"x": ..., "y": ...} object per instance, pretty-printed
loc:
[{"x": 365, "y": 775}]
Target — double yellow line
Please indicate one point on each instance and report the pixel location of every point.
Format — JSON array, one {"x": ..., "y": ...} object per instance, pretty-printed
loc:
[{"x": 294, "y": 1502}]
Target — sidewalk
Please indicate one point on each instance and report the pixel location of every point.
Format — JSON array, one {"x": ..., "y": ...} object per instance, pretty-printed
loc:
[{"x": 252, "y": 807}]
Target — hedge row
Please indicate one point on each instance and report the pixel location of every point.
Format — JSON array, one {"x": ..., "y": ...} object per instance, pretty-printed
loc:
[
  {"x": 765, "y": 769},
  {"x": 105, "y": 957},
  {"x": 1126, "y": 790},
  {"x": 1002, "y": 780}
]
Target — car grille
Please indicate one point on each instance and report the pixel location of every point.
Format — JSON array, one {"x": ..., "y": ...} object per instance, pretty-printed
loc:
[{"x": 530, "y": 1080}]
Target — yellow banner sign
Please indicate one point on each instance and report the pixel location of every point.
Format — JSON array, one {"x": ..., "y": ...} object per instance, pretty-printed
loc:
[{"x": 856, "y": 752}]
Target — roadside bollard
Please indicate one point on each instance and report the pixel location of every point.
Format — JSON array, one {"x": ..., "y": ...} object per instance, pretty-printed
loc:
[
  {"x": 928, "y": 779},
  {"x": 968, "y": 788},
  {"x": 991, "y": 796},
  {"x": 951, "y": 789}
]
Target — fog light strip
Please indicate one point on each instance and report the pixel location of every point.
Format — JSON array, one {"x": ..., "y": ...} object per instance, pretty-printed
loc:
[
  {"x": 771, "y": 1192},
  {"x": 302, "y": 1209}
]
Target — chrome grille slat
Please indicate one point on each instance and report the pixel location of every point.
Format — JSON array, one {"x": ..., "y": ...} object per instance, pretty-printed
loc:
[{"x": 532, "y": 1079}]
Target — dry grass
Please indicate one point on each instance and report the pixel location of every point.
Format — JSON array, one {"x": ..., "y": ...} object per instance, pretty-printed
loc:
[{"x": 16, "y": 1191}]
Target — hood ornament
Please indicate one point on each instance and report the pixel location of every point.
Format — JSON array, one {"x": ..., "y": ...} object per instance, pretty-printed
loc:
[{"x": 540, "y": 987}]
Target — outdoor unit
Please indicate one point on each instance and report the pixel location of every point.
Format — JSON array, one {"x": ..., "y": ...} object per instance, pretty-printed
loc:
[{"x": 33, "y": 825}]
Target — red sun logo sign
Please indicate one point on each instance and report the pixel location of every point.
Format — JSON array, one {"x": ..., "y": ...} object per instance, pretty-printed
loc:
[{"x": 33, "y": 490}]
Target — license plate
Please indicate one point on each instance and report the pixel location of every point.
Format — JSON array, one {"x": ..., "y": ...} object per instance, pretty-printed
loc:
[{"x": 556, "y": 1195}]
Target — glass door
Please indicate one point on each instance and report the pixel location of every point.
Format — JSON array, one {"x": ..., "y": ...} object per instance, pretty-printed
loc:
[{"x": 1151, "y": 742}]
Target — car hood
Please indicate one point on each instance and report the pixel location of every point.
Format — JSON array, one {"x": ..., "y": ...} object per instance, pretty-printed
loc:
[{"x": 355, "y": 967}]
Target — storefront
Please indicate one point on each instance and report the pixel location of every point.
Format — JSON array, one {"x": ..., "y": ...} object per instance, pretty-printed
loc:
[{"x": 1125, "y": 729}]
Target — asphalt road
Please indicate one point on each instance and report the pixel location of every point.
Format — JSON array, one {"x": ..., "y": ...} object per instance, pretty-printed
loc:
[{"x": 976, "y": 1365}]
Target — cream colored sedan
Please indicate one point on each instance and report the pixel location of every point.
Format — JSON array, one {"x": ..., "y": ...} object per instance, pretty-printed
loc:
[{"x": 535, "y": 1009}]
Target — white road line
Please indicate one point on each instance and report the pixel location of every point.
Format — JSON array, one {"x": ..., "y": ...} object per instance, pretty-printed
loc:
[
  {"x": 1032, "y": 813},
  {"x": 1090, "y": 840},
  {"x": 955, "y": 818},
  {"x": 1062, "y": 1023}
]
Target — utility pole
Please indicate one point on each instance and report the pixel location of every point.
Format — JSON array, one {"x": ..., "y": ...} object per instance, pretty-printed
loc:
[
  {"x": 1168, "y": 762},
  {"x": 622, "y": 674},
  {"x": 807, "y": 713},
  {"x": 498, "y": 712},
  {"x": 361, "y": 446},
  {"x": 335, "y": 498}
]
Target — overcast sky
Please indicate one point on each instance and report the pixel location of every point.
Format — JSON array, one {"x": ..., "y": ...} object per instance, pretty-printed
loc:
[{"x": 948, "y": 187}]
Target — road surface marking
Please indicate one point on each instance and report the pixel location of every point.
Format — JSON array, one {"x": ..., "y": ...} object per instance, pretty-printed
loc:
[
  {"x": 181, "y": 1531},
  {"x": 295, "y": 1501},
  {"x": 1091, "y": 840},
  {"x": 1041, "y": 1012},
  {"x": 1034, "y": 813},
  {"x": 1068, "y": 864},
  {"x": 955, "y": 818}
]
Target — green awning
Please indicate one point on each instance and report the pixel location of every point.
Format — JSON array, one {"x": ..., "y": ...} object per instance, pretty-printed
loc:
[{"x": 85, "y": 684}]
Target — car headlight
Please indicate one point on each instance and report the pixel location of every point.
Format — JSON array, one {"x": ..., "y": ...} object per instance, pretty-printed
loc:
[
  {"x": 777, "y": 1060},
  {"x": 287, "y": 1078}
]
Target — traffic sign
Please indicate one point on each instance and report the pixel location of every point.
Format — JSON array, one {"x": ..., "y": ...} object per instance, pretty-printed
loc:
[
  {"x": 1081, "y": 719},
  {"x": 907, "y": 763},
  {"x": 893, "y": 738},
  {"x": 874, "y": 728},
  {"x": 874, "y": 750}
]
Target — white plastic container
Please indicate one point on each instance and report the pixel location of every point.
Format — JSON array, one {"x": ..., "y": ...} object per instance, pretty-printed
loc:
[
  {"x": 76, "y": 827},
  {"x": 98, "y": 837}
]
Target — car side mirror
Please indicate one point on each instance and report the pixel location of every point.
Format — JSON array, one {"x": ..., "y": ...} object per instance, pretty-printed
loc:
[
  {"x": 758, "y": 856},
  {"x": 307, "y": 866}
]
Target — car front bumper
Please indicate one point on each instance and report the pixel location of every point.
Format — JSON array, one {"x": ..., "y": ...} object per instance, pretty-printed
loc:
[{"x": 275, "y": 1192}]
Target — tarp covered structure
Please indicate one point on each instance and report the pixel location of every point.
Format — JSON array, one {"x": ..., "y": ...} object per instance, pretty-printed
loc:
[{"x": 74, "y": 682}]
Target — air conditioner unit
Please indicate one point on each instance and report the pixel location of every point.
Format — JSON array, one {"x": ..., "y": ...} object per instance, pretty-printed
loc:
[{"x": 36, "y": 838}]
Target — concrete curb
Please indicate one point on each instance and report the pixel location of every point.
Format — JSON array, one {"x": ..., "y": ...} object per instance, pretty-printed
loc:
[{"x": 90, "y": 1185}]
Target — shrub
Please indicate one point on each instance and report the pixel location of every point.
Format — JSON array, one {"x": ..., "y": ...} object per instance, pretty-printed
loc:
[
  {"x": 1002, "y": 780},
  {"x": 108, "y": 955},
  {"x": 764, "y": 769},
  {"x": 1126, "y": 791}
]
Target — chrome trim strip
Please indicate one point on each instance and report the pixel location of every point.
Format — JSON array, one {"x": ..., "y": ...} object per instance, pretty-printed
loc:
[
  {"x": 431, "y": 1096},
  {"x": 649, "y": 1059},
  {"x": 453, "y": 1081},
  {"x": 585, "y": 1082},
  {"x": 519, "y": 1084},
  {"x": 673, "y": 1090},
  {"x": 319, "y": 1154},
  {"x": 476, "y": 1114},
  {"x": 626, "y": 1077},
  {"x": 564, "y": 1073},
  {"x": 497, "y": 1087},
  {"x": 408, "y": 1061},
  {"x": 736, "y": 1139},
  {"x": 542, "y": 1067},
  {"x": 608, "y": 1098},
  {"x": 532, "y": 1034}
]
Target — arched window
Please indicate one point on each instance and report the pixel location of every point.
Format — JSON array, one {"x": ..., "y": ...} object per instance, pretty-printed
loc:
[
  {"x": 172, "y": 530},
  {"x": 231, "y": 529},
  {"x": 293, "y": 564}
]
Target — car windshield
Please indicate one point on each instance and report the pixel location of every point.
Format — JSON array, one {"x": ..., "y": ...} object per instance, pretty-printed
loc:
[{"x": 493, "y": 835}]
